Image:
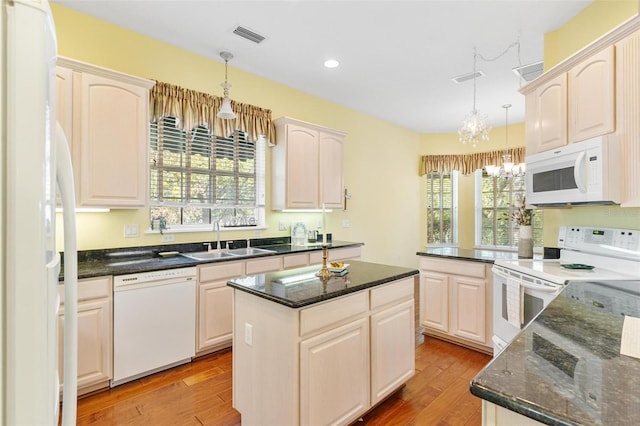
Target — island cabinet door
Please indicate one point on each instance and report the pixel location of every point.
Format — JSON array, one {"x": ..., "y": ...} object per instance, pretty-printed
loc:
[
  {"x": 334, "y": 375},
  {"x": 392, "y": 349},
  {"x": 215, "y": 319}
]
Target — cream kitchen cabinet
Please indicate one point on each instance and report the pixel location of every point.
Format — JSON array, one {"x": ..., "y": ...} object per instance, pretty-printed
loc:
[
  {"x": 327, "y": 363},
  {"x": 628, "y": 111},
  {"x": 456, "y": 301},
  {"x": 307, "y": 166},
  {"x": 335, "y": 254},
  {"x": 546, "y": 116},
  {"x": 214, "y": 326},
  {"x": 95, "y": 336},
  {"x": 109, "y": 133},
  {"x": 591, "y": 96}
]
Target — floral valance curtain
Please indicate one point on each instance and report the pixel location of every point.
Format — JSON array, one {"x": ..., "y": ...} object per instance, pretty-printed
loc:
[
  {"x": 193, "y": 109},
  {"x": 467, "y": 163}
]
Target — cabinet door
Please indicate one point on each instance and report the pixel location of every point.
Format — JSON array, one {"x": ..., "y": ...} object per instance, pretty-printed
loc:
[
  {"x": 215, "y": 315},
  {"x": 551, "y": 114},
  {"x": 112, "y": 142},
  {"x": 591, "y": 97},
  {"x": 331, "y": 171},
  {"x": 468, "y": 308},
  {"x": 94, "y": 342},
  {"x": 334, "y": 375},
  {"x": 302, "y": 186},
  {"x": 435, "y": 301},
  {"x": 628, "y": 111},
  {"x": 392, "y": 349}
]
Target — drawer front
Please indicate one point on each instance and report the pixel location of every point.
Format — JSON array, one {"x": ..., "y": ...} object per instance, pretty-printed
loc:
[
  {"x": 267, "y": 264},
  {"x": 90, "y": 288},
  {"x": 455, "y": 267},
  {"x": 333, "y": 312},
  {"x": 392, "y": 292},
  {"x": 295, "y": 260},
  {"x": 219, "y": 272},
  {"x": 345, "y": 253}
]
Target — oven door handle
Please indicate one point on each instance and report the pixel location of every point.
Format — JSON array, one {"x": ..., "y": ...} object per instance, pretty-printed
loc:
[{"x": 543, "y": 289}]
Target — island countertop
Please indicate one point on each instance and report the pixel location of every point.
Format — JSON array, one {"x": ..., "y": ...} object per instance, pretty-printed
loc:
[
  {"x": 565, "y": 367},
  {"x": 300, "y": 287}
]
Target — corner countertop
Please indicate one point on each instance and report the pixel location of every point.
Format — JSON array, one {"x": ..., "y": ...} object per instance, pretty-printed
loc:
[
  {"x": 475, "y": 255},
  {"x": 565, "y": 367},
  {"x": 300, "y": 287},
  {"x": 96, "y": 263}
]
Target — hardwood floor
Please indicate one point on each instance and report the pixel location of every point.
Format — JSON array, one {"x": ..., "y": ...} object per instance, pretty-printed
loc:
[{"x": 199, "y": 393}]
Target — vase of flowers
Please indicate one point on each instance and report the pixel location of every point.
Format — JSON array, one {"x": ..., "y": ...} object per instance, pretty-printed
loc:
[{"x": 522, "y": 217}]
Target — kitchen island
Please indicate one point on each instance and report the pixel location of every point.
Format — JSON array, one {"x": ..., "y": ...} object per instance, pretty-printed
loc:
[
  {"x": 308, "y": 351},
  {"x": 565, "y": 367}
]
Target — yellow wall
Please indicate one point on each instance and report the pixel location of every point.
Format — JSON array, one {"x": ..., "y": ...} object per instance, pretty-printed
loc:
[
  {"x": 591, "y": 23},
  {"x": 380, "y": 158}
]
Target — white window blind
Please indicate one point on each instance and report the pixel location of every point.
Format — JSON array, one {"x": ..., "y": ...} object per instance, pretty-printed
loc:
[
  {"x": 442, "y": 211},
  {"x": 196, "y": 177}
]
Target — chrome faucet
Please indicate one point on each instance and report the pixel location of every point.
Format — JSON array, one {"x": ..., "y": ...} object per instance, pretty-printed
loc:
[{"x": 216, "y": 227}]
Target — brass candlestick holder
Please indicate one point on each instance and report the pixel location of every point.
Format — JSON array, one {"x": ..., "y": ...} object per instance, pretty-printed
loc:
[{"x": 324, "y": 274}]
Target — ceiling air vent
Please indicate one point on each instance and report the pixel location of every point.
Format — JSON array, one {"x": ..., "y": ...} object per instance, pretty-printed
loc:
[
  {"x": 530, "y": 71},
  {"x": 466, "y": 77},
  {"x": 248, "y": 34}
]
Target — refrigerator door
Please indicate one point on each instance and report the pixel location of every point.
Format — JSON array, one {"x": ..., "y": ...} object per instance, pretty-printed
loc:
[{"x": 29, "y": 339}]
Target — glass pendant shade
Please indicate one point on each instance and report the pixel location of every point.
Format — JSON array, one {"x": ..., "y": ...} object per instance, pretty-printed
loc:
[{"x": 226, "y": 113}]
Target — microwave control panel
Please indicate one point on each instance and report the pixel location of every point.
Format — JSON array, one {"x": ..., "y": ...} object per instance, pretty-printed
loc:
[{"x": 599, "y": 240}]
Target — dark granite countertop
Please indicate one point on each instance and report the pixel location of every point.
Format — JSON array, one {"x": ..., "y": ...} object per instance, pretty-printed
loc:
[
  {"x": 475, "y": 255},
  {"x": 565, "y": 367},
  {"x": 300, "y": 287},
  {"x": 96, "y": 263}
]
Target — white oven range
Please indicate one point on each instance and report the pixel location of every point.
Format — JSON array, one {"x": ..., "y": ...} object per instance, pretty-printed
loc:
[{"x": 523, "y": 288}]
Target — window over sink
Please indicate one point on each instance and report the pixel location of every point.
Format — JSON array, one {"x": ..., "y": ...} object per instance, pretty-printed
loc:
[{"x": 197, "y": 178}]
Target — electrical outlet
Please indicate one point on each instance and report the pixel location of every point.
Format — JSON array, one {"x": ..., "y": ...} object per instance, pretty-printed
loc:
[
  {"x": 256, "y": 233},
  {"x": 248, "y": 334},
  {"x": 168, "y": 238},
  {"x": 346, "y": 223},
  {"x": 282, "y": 225},
  {"x": 131, "y": 230}
]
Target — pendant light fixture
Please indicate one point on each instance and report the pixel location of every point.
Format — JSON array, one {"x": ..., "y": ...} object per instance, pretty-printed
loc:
[
  {"x": 508, "y": 169},
  {"x": 474, "y": 126},
  {"x": 226, "y": 112}
]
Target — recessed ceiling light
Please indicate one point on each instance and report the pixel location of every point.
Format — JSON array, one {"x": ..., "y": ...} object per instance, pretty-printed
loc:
[{"x": 331, "y": 63}]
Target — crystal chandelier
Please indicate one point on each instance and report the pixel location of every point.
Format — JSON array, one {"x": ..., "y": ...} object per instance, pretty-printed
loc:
[
  {"x": 508, "y": 169},
  {"x": 226, "y": 112},
  {"x": 474, "y": 126}
]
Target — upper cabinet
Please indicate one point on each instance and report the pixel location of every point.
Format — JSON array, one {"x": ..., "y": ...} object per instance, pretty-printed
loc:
[
  {"x": 572, "y": 106},
  {"x": 628, "y": 111},
  {"x": 109, "y": 133},
  {"x": 307, "y": 166},
  {"x": 591, "y": 96}
]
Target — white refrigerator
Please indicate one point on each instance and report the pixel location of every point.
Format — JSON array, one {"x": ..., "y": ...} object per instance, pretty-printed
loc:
[{"x": 34, "y": 161}]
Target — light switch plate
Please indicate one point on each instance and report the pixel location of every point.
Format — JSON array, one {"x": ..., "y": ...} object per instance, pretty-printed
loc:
[
  {"x": 131, "y": 230},
  {"x": 282, "y": 225},
  {"x": 346, "y": 223},
  {"x": 168, "y": 238}
]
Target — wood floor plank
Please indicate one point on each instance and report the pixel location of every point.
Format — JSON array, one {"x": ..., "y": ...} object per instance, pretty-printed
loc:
[{"x": 200, "y": 393}]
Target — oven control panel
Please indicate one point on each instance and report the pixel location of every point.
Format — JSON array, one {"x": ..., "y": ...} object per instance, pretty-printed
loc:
[{"x": 607, "y": 241}]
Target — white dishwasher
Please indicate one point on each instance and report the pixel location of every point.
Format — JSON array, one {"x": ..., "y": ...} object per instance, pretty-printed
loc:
[{"x": 154, "y": 322}]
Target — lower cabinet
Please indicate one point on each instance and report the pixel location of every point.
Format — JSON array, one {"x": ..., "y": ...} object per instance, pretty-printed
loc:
[
  {"x": 456, "y": 301},
  {"x": 214, "y": 327},
  {"x": 95, "y": 335},
  {"x": 328, "y": 363}
]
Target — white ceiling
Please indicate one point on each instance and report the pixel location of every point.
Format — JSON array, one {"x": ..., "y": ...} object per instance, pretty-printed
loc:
[{"x": 397, "y": 58}]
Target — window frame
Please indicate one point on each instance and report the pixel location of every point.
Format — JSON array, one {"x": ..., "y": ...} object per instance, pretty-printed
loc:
[
  {"x": 454, "y": 174},
  {"x": 259, "y": 174},
  {"x": 479, "y": 174}
]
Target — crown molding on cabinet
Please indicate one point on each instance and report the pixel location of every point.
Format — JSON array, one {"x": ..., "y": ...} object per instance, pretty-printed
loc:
[
  {"x": 104, "y": 72},
  {"x": 620, "y": 32}
]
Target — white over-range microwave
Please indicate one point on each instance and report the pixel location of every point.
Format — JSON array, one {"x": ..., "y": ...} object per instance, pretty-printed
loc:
[{"x": 581, "y": 173}]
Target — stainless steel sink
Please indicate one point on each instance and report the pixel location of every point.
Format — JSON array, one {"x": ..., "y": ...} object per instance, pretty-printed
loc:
[
  {"x": 208, "y": 255},
  {"x": 249, "y": 251},
  {"x": 239, "y": 252}
]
